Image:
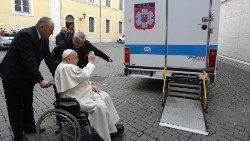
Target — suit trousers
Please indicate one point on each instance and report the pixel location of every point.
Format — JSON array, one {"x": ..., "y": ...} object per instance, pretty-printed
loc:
[{"x": 19, "y": 105}]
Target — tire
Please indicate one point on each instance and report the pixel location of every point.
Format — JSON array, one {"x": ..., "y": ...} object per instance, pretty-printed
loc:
[
  {"x": 212, "y": 78},
  {"x": 1, "y": 48},
  {"x": 58, "y": 125}
]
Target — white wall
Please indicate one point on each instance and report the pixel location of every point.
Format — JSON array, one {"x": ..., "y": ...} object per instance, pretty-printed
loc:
[
  {"x": 55, "y": 15},
  {"x": 234, "y": 31}
]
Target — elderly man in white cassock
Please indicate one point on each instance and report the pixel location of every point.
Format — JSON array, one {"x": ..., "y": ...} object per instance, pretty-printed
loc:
[{"x": 72, "y": 81}]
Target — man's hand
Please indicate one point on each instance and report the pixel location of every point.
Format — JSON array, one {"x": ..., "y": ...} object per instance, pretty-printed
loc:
[
  {"x": 91, "y": 56},
  {"x": 95, "y": 88},
  {"x": 44, "y": 84},
  {"x": 110, "y": 60}
]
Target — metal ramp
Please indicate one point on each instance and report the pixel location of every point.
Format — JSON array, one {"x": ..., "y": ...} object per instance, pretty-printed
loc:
[
  {"x": 183, "y": 114},
  {"x": 183, "y": 109}
]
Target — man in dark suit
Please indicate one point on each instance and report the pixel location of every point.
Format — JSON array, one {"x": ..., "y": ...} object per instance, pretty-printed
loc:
[
  {"x": 82, "y": 47},
  {"x": 60, "y": 37},
  {"x": 19, "y": 71}
]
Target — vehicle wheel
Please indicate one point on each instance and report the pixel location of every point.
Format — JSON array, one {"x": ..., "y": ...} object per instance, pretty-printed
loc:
[
  {"x": 59, "y": 125},
  {"x": 212, "y": 78},
  {"x": 1, "y": 48}
]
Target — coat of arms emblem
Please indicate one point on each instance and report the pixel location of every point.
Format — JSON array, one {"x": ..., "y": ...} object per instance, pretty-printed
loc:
[{"x": 144, "y": 15}]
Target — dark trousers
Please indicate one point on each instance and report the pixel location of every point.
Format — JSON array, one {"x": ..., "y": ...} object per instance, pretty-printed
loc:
[{"x": 19, "y": 105}]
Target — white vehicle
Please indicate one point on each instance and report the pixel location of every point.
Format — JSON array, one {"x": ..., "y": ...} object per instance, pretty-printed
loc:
[
  {"x": 177, "y": 37},
  {"x": 121, "y": 39},
  {"x": 5, "y": 42}
]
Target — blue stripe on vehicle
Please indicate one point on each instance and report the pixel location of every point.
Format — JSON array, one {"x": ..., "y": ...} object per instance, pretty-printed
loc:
[
  {"x": 142, "y": 49},
  {"x": 185, "y": 50}
]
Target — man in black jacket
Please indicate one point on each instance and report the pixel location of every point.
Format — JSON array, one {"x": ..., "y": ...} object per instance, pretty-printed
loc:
[
  {"x": 20, "y": 72},
  {"x": 60, "y": 37},
  {"x": 82, "y": 46}
]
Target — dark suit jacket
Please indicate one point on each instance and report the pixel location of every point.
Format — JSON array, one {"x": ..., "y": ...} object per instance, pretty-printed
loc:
[
  {"x": 60, "y": 39},
  {"x": 82, "y": 52},
  {"x": 21, "y": 63}
]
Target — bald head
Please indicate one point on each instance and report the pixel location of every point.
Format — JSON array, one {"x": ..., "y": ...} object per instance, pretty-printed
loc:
[
  {"x": 45, "y": 27},
  {"x": 64, "y": 30},
  {"x": 43, "y": 21}
]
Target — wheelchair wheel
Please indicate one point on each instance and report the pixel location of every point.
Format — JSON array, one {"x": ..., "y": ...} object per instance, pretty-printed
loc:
[{"x": 59, "y": 125}]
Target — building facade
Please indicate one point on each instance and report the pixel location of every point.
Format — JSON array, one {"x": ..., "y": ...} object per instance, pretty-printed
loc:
[
  {"x": 234, "y": 31},
  {"x": 101, "y": 20}
]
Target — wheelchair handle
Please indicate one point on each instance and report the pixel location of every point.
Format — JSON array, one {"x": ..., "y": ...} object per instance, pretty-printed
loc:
[{"x": 52, "y": 83}]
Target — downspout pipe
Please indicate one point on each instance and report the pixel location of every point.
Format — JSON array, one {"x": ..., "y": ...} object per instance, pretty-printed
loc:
[{"x": 100, "y": 20}]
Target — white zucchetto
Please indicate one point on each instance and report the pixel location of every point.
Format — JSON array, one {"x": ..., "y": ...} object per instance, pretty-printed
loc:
[{"x": 66, "y": 53}]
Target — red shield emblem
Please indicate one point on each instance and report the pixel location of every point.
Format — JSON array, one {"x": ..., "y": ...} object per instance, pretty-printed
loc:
[{"x": 144, "y": 16}]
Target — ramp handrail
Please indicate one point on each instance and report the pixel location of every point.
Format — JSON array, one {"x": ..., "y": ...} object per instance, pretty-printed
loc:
[
  {"x": 204, "y": 79},
  {"x": 163, "y": 97}
]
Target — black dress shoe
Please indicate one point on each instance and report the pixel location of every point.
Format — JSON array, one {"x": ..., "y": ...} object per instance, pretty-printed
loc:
[
  {"x": 120, "y": 130},
  {"x": 22, "y": 139},
  {"x": 33, "y": 131},
  {"x": 25, "y": 139}
]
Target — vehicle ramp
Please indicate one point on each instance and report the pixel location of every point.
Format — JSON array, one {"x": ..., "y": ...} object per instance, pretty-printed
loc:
[{"x": 183, "y": 109}]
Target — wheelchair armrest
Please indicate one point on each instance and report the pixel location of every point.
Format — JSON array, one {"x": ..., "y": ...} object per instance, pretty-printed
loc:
[
  {"x": 68, "y": 104},
  {"x": 69, "y": 99}
]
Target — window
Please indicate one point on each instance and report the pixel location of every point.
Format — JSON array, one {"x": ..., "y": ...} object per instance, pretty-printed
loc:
[
  {"x": 121, "y": 5},
  {"x": 108, "y": 3},
  {"x": 107, "y": 26},
  {"x": 120, "y": 27},
  {"x": 92, "y": 1},
  {"x": 91, "y": 24},
  {"x": 22, "y": 6}
]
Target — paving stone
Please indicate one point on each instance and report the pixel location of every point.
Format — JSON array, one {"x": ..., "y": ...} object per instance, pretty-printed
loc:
[
  {"x": 231, "y": 138},
  {"x": 151, "y": 139},
  {"x": 143, "y": 137},
  {"x": 239, "y": 127},
  {"x": 157, "y": 134},
  {"x": 218, "y": 138},
  {"x": 138, "y": 133},
  {"x": 148, "y": 131},
  {"x": 240, "y": 135},
  {"x": 9, "y": 138},
  {"x": 134, "y": 137},
  {"x": 165, "y": 137}
]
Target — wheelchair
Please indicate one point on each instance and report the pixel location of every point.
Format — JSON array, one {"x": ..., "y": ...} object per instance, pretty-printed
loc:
[{"x": 65, "y": 122}]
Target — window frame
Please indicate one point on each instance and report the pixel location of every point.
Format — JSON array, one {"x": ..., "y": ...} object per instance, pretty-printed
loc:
[
  {"x": 107, "y": 26},
  {"x": 120, "y": 28},
  {"x": 119, "y": 5},
  {"x": 91, "y": 1},
  {"x": 107, "y": 3},
  {"x": 30, "y": 13},
  {"x": 93, "y": 24}
]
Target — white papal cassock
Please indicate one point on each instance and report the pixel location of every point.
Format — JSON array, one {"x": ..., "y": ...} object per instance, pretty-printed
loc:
[{"x": 72, "y": 81}]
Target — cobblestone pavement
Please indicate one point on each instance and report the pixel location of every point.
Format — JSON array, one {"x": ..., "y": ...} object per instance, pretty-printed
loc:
[{"x": 138, "y": 102}]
